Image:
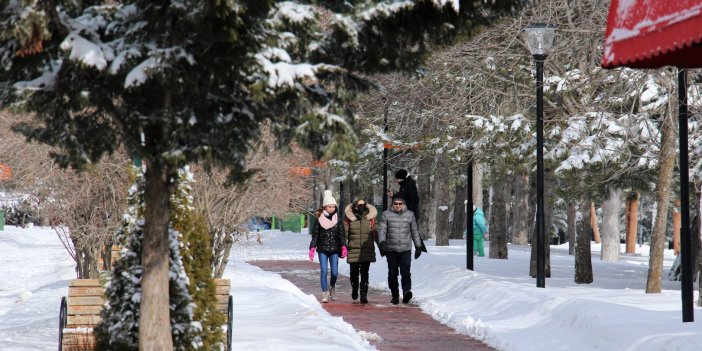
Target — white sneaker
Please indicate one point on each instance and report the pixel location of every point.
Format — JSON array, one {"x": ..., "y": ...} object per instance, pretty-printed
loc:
[
  {"x": 325, "y": 297},
  {"x": 332, "y": 294}
]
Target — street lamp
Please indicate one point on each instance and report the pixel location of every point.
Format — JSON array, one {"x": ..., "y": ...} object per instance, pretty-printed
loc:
[{"x": 539, "y": 39}]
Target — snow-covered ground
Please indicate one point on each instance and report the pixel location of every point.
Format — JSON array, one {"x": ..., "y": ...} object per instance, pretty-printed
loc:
[{"x": 498, "y": 303}]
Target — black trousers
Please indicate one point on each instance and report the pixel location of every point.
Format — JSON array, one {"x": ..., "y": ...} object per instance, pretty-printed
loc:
[
  {"x": 399, "y": 263},
  {"x": 360, "y": 268}
]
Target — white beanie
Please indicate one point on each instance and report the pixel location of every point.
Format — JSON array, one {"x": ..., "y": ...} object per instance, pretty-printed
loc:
[{"x": 328, "y": 198}]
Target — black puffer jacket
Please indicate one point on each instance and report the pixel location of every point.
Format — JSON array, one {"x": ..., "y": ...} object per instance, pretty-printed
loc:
[
  {"x": 408, "y": 192},
  {"x": 328, "y": 240}
]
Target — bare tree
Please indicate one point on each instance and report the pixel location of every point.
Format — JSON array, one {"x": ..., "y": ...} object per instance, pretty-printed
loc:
[
  {"x": 281, "y": 185},
  {"x": 86, "y": 209},
  {"x": 83, "y": 208}
]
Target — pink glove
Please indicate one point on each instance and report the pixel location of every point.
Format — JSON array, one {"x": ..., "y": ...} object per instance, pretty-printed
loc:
[
  {"x": 312, "y": 254},
  {"x": 344, "y": 251}
]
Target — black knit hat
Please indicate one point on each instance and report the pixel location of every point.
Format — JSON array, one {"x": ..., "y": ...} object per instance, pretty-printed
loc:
[
  {"x": 398, "y": 197},
  {"x": 401, "y": 174}
]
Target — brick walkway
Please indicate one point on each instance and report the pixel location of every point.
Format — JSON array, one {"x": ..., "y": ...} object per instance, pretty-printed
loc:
[{"x": 401, "y": 327}]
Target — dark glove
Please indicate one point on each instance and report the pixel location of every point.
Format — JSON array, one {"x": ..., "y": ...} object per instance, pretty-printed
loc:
[
  {"x": 417, "y": 253},
  {"x": 383, "y": 247}
]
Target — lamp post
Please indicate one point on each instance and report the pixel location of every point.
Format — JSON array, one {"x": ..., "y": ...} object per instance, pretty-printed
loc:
[{"x": 539, "y": 39}]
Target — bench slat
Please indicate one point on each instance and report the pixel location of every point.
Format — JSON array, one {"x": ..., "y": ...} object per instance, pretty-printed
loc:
[
  {"x": 222, "y": 282},
  {"x": 79, "y": 321},
  {"x": 85, "y": 301},
  {"x": 84, "y": 310},
  {"x": 84, "y": 282},
  {"x": 85, "y": 291},
  {"x": 222, "y": 290}
]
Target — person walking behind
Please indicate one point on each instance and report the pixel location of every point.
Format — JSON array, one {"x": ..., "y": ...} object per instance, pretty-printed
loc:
[
  {"x": 408, "y": 191},
  {"x": 480, "y": 231},
  {"x": 329, "y": 241},
  {"x": 360, "y": 229},
  {"x": 398, "y": 230}
]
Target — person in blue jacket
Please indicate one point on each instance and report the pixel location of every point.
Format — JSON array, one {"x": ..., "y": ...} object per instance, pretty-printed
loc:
[{"x": 480, "y": 231}]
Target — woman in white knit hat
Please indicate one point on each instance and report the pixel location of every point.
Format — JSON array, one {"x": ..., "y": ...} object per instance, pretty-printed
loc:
[{"x": 329, "y": 241}]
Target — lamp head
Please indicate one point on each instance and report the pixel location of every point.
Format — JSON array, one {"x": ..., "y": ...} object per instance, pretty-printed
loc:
[{"x": 539, "y": 38}]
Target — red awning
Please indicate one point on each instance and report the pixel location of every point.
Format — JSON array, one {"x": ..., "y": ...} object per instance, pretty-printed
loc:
[{"x": 653, "y": 34}]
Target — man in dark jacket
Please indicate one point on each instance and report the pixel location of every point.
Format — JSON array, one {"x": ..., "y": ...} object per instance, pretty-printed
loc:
[
  {"x": 408, "y": 191},
  {"x": 398, "y": 230}
]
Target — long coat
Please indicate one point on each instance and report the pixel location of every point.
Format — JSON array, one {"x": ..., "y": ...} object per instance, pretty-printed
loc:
[
  {"x": 328, "y": 240},
  {"x": 408, "y": 192},
  {"x": 360, "y": 234}
]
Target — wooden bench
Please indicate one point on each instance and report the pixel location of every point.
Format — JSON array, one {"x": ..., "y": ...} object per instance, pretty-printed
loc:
[
  {"x": 80, "y": 313},
  {"x": 225, "y": 305}
]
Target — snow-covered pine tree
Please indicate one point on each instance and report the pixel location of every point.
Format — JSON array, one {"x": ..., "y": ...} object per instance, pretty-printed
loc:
[
  {"x": 179, "y": 81},
  {"x": 119, "y": 329},
  {"x": 196, "y": 250}
]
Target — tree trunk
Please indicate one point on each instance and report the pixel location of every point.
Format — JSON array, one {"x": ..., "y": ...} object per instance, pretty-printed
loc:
[
  {"x": 550, "y": 196},
  {"x": 154, "y": 319},
  {"x": 424, "y": 190},
  {"x": 433, "y": 201},
  {"x": 477, "y": 186},
  {"x": 632, "y": 221},
  {"x": 498, "y": 216},
  {"x": 666, "y": 163},
  {"x": 571, "y": 215},
  {"x": 583, "y": 256},
  {"x": 458, "y": 221},
  {"x": 223, "y": 247},
  {"x": 442, "y": 197},
  {"x": 520, "y": 211},
  {"x": 610, "y": 227},
  {"x": 593, "y": 223}
]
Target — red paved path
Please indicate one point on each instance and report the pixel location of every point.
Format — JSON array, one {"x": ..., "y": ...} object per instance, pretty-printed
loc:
[{"x": 401, "y": 327}]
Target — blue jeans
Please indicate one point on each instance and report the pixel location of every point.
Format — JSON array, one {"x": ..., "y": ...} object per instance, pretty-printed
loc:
[{"x": 331, "y": 258}]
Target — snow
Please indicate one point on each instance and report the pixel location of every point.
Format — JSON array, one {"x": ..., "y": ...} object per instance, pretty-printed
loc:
[
  {"x": 84, "y": 51},
  {"x": 497, "y": 303}
]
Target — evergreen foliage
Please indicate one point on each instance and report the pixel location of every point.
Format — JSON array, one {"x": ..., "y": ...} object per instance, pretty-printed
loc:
[
  {"x": 196, "y": 250},
  {"x": 119, "y": 329},
  {"x": 181, "y": 81}
]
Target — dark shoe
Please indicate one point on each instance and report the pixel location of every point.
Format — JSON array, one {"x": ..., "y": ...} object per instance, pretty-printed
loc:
[
  {"x": 395, "y": 300},
  {"x": 354, "y": 294},
  {"x": 406, "y": 297},
  {"x": 364, "y": 298}
]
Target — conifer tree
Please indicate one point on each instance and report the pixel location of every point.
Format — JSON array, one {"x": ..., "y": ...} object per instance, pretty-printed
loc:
[
  {"x": 178, "y": 81},
  {"x": 119, "y": 329},
  {"x": 196, "y": 250}
]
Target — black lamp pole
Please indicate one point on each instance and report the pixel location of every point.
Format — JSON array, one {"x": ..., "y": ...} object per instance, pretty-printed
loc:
[
  {"x": 540, "y": 251},
  {"x": 469, "y": 217},
  {"x": 686, "y": 288},
  {"x": 385, "y": 166}
]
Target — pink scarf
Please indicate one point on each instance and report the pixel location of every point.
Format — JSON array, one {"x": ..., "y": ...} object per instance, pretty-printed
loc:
[{"x": 327, "y": 223}]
